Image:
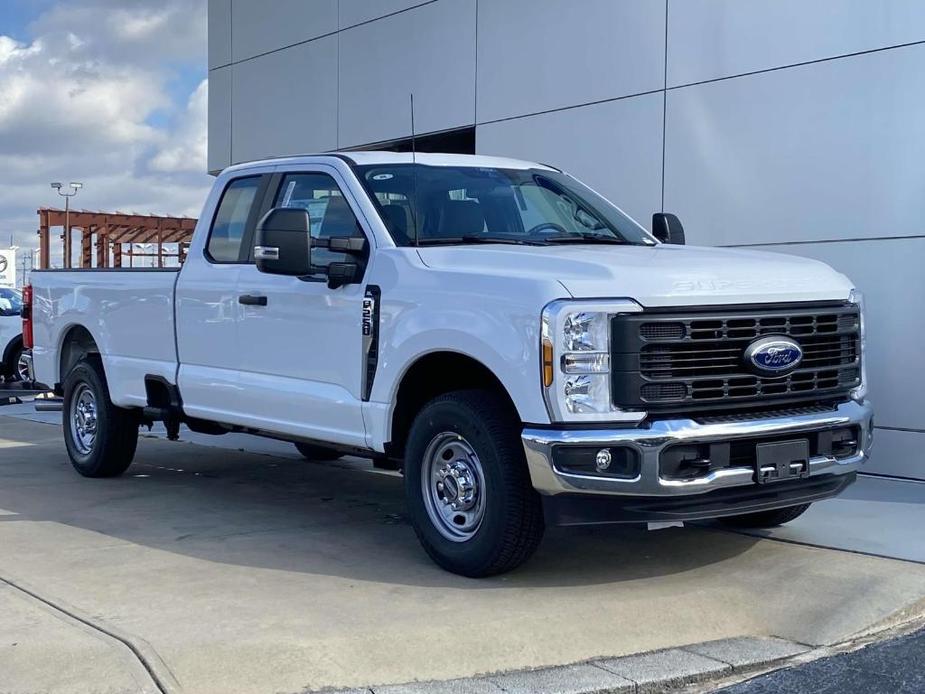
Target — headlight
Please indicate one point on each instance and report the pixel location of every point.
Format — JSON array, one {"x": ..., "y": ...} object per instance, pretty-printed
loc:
[
  {"x": 859, "y": 393},
  {"x": 576, "y": 360}
]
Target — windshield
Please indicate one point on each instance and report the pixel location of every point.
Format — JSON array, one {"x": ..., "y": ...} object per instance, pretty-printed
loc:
[
  {"x": 435, "y": 205},
  {"x": 10, "y": 302}
]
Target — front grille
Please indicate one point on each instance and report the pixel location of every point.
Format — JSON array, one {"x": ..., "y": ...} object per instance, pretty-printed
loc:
[{"x": 695, "y": 360}]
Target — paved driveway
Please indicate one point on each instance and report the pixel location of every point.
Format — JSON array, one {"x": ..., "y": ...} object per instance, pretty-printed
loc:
[{"x": 228, "y": 571}]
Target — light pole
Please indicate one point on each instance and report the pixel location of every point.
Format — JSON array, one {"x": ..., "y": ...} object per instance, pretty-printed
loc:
[{"x": 75, "y": 186}]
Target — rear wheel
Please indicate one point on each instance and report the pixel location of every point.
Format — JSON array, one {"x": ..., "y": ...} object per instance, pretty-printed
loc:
[
  {"x": 100, "y": 437},
  {"x": 468, "y": 489},
  {"x": 322, "y": 453},
  {"x": 765, "y": 519}
]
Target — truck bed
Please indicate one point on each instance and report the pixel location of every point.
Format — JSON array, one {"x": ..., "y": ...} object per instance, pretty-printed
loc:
[{"x": 129, "y": 314}]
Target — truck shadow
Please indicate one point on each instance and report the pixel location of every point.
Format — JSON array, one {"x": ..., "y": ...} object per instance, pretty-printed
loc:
[{"x": 250, "y": 510}]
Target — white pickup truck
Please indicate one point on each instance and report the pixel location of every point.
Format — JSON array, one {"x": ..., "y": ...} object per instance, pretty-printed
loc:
[{"x": 521, "y": 348}]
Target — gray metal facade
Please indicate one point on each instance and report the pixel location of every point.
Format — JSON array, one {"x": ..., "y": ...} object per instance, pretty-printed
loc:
[{"x": 786, "y": 125}]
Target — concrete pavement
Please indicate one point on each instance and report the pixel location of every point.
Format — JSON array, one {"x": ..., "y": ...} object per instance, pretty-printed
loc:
[
  {"x": 44, "y": 650},
  {"x": 250, "y": 573}
]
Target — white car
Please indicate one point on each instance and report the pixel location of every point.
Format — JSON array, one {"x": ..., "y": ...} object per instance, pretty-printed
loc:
[
  {"x": 529, "y": 353},
  {"x": 12, "y": 365}
]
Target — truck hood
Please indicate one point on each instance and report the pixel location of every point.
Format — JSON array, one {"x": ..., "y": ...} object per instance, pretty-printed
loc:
[{"x": 654, "y": 276}]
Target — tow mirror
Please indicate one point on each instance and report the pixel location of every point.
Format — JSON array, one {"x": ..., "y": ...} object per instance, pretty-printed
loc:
[
  {"x": 283, "y": 242},
  {"x": 667, "y": 228}
]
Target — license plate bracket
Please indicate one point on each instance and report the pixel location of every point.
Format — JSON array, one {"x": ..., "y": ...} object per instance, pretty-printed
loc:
[{"x": 778, "y": 461}]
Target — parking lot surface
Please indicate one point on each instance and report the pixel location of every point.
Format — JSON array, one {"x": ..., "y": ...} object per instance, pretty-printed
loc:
[{"x": 221, "y": 570}]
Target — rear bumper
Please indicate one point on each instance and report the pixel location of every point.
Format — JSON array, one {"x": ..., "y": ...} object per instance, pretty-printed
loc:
[{"x": 650, "y": 442}]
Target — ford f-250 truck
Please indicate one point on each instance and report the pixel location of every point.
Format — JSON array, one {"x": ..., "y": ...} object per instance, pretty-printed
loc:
[{"x": 529, "y": 353}]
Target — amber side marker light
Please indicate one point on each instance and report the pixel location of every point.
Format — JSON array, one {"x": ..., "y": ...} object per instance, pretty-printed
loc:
[{"x": 547, "y": 363}]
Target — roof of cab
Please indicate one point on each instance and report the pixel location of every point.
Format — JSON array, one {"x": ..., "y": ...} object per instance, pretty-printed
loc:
[{"x": 387, "y": 158}]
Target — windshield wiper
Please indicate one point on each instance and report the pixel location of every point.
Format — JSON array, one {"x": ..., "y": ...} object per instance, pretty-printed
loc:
[
  {"x": 466, "y": 240},
  {"x": 584, "y": 237}
]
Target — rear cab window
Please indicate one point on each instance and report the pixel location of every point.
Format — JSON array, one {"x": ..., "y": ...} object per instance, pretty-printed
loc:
[{"x": 226, "y": 236}]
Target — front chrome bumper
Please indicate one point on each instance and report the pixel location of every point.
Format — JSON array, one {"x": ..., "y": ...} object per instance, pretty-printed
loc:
[{"x": 652, "y": 440}]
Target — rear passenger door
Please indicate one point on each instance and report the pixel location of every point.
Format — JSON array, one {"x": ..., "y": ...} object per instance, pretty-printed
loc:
[
  {"x": 207, "y": 309},
  {"x": 300, "y": 348}
]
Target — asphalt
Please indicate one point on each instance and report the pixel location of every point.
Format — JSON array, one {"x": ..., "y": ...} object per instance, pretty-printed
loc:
[
  {"x": 214, "y": 570},
  {"x": 888, "y": 667}
]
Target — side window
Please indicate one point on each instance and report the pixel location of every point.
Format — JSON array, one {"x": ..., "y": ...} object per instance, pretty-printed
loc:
[
  {"x": 328, "y": 210},
  {"x": 231, "y": 219}
]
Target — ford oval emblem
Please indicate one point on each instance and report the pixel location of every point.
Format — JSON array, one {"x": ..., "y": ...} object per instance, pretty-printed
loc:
[{"x": 773, "y": 355}]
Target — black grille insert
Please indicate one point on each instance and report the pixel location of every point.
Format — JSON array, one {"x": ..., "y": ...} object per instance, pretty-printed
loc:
[{"x": 695, "y": 360}]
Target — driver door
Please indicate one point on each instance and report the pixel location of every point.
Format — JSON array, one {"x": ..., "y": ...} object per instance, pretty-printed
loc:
[{"x": 299, "y": 342}]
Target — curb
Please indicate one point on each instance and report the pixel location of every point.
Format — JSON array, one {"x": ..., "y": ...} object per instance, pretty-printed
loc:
[{"x": 671, "y": 668}]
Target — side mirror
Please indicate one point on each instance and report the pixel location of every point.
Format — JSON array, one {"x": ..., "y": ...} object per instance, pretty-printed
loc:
[
  {"x": 283, "y": 242},
  {"x": 667, "y": 228}
]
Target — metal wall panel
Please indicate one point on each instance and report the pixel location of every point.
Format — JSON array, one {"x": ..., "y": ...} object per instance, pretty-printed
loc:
[
  {"x": 889, "y": 274},
  {"x": 353, "y": 12},
  {"x": 718, "y": 38},
  {"x": 536, "y": 56},
  {"x": 260, "y": 27},
  {"x": 897, "y": 453},
  {"x": 219, "y": 33},
  {"x": 429, "y": 51},
  {"x": 629, "y": 131},
  {"x": 219, "y": 140},
  {"x": 823, "y": 151},
  {"x": 286, "y": 102}
]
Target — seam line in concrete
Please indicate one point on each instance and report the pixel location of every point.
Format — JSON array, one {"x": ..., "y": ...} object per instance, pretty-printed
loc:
[
  {"x": 910, "y": 430},
  {"x": 163, "y": 683},
  {"x": 891, "y": 478},
  {"x": 803, "y": 543}
]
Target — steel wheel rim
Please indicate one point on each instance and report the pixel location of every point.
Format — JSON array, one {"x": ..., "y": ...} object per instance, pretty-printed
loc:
[
  {"x": 453, "y": 486},
  {"x": 83, "y": 419},
  {"x": 22, "y": 369}
]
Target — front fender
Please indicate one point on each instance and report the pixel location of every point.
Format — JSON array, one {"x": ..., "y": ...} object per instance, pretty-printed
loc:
[{"x": 505, "y": 340}]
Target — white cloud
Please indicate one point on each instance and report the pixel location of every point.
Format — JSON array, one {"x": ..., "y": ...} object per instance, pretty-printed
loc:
[
  {"x": 93, "y": 96},
  {"x": 185, "y": 148}
]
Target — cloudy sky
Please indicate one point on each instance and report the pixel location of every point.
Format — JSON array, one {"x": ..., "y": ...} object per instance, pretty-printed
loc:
[{"x": 106, "y": 92}]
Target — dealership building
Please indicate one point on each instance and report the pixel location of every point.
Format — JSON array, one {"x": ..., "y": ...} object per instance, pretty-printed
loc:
[{"x": 782, "y": 125}]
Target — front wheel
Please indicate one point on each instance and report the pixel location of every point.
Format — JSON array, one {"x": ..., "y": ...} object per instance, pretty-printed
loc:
[
  {"x": 468, "y": 489},
  {"x": 765, "y": 519},
  {"x": 100, "y": 437}
]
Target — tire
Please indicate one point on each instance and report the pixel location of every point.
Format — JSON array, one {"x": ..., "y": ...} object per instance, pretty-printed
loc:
[
  {"x": 499, "y": 521},
  {"x": 312, "y": 452},
  {"x": 100, "y": 437},
  {"x": 765, "y": 519},
  {"x": 11, "y": 368}
]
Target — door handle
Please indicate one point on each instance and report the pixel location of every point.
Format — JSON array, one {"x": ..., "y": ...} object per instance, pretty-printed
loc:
[{"x": 252, "y": 300}]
